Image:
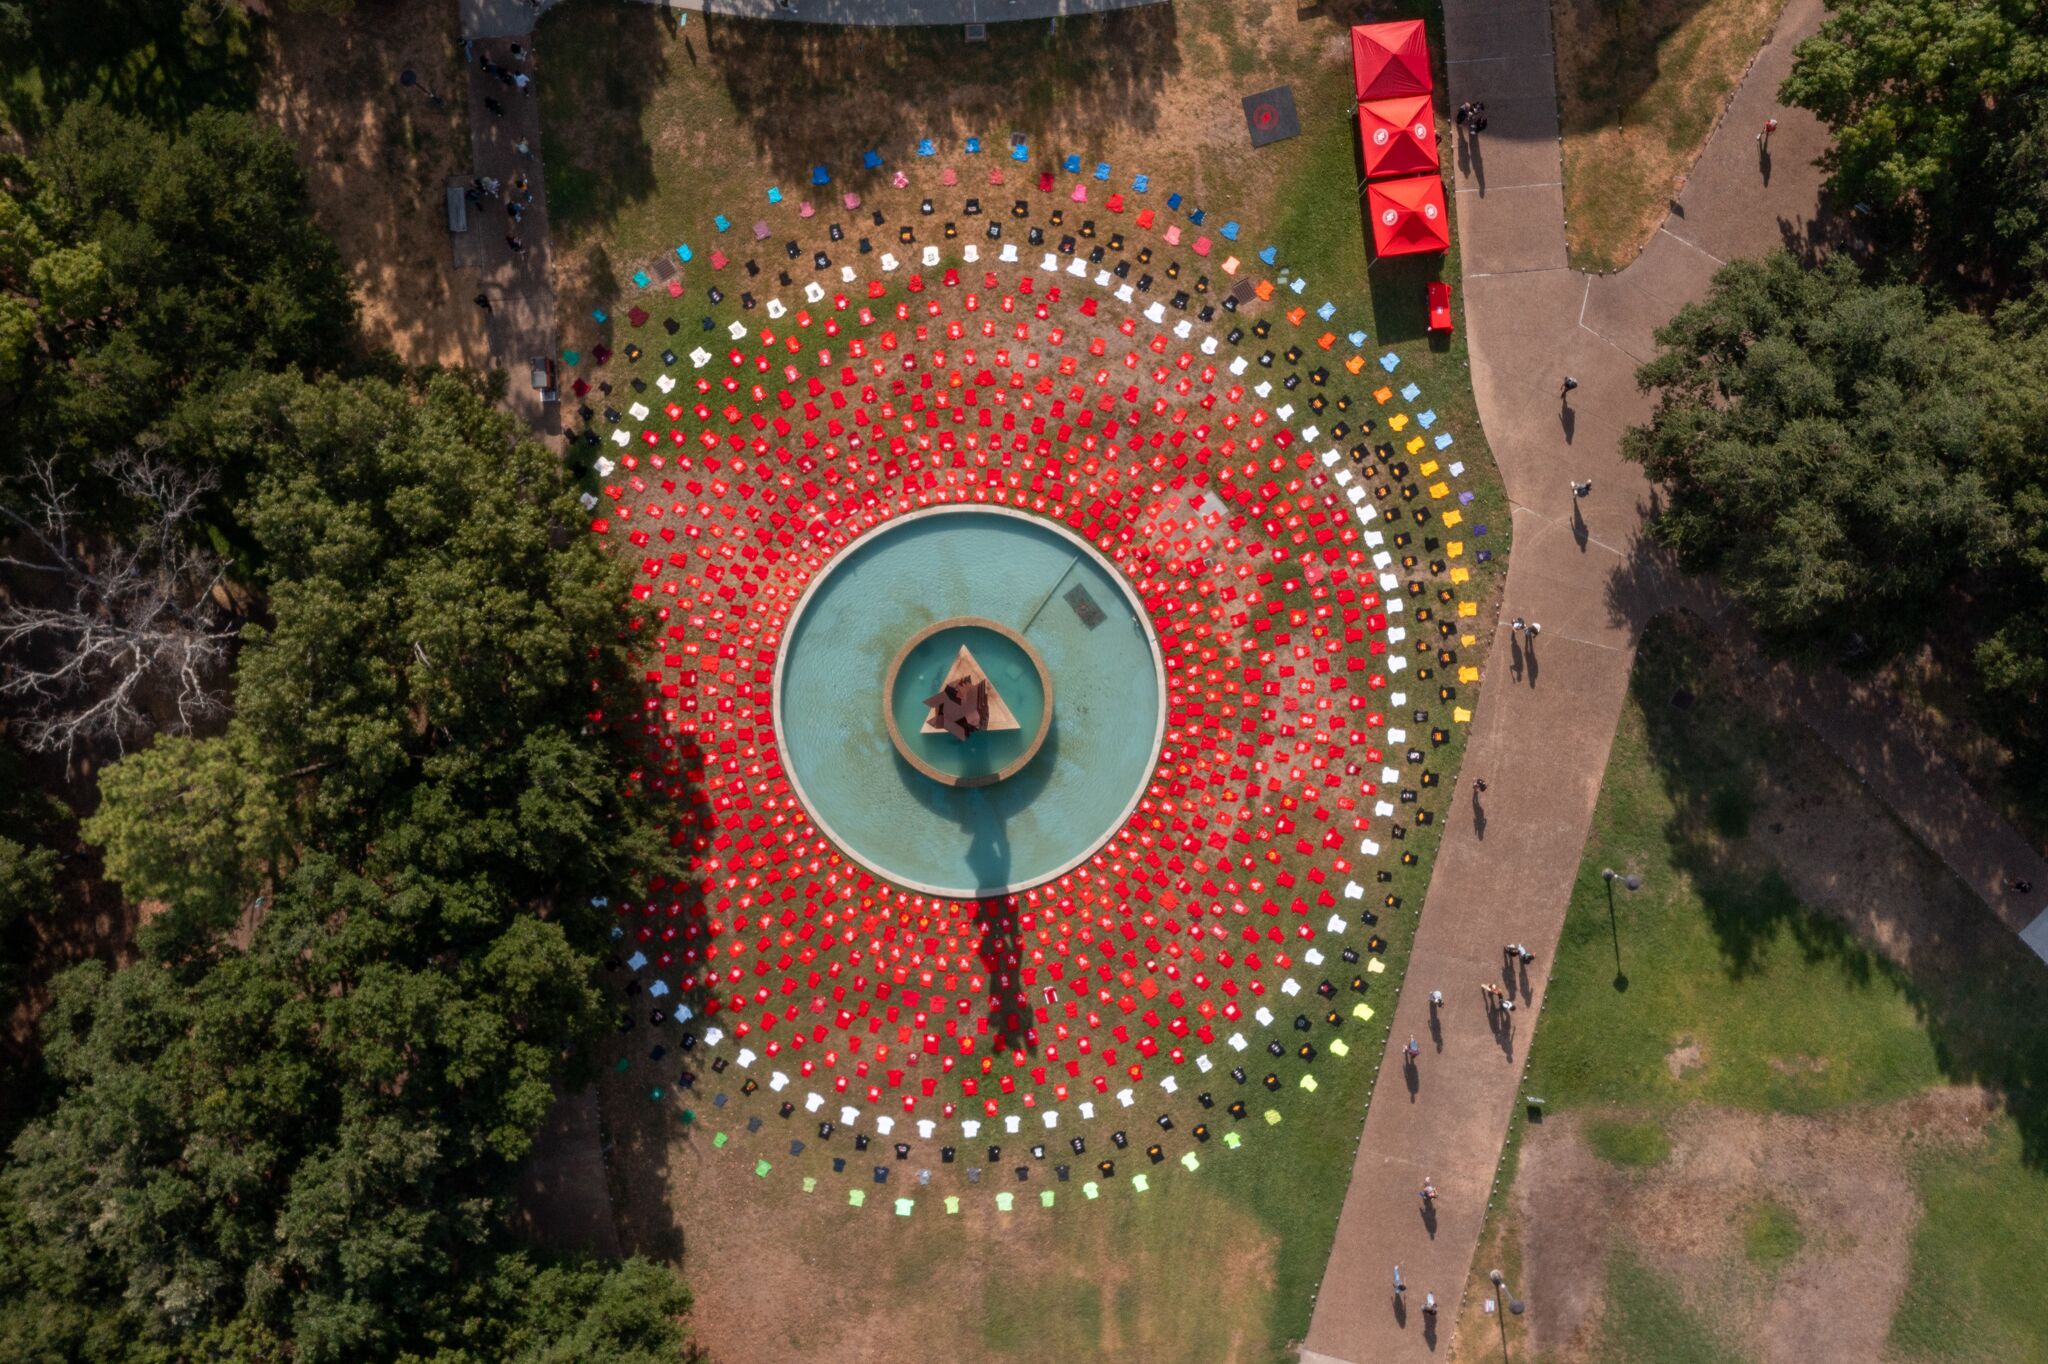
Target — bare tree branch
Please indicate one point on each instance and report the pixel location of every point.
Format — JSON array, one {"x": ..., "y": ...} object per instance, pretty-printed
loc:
[{"x": 109, "y": 641}]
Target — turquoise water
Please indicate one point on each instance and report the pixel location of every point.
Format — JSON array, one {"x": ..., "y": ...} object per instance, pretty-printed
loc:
[
  {"x": 1010, "y": 674},
  {"x": 1105, "y": 717}
]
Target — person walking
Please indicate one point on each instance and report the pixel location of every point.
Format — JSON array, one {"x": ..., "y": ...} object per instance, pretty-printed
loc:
[
  {"x": 524, "y": 82},
  {"x": 1479, "y": 785},
  {"x": 1436, "y": 1000},
  {"x": 1412, "y": 1050},
  {"x": 484, "y": 301},
  {"x": 1535, "y": 629},
  {"x": 1429, "y": 1307},
  {"x": 1428, "y": 1192},
  {"x": 1582, "y": 488},
  {"x": 523, "y": 147},
  {"x": 1520, "y": 625},
  {"x": 1763, "y": 138},
  {"x": 1476, "y": 121},
  {"x": 512, "y": 240},
  {"x": 1564, "y": 390},
  {"x": 1464, "y": 112},
  {"x": 1400, "y": 1287}
]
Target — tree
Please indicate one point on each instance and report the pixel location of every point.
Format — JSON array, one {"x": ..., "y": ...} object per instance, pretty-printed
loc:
[
  {"x": 137, "y": 269},
  {"x": 100, "y": 636},
  {"x": 1939, "y": 110},
  {"x": 1865, "y": 470},
  {"x": 310, "y": 1138}
]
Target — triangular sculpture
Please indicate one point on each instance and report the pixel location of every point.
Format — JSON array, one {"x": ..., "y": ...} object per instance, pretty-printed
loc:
[{"x": 967, "y": 701}]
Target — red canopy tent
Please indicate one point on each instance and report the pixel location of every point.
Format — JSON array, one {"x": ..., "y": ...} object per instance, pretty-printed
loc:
[
  {"x": 1399, "y": 135},
  {"x": 1408, "y": 216},
  {"x": 1390, "y": 59}
]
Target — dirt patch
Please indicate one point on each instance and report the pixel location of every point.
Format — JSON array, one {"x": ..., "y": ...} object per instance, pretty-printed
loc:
[
  {"x": 1845, "y": 1177},
  {"x": 1799, "y": 1065},
  {"x": 1686, "y": 1058},
  {"x": 783, "y": 1275},
  {"x": 377, "y": 156}
]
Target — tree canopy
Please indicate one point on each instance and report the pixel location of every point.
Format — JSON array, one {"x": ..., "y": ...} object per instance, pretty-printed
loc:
[
  {"x": 1939, "y": 110},
  {"x": 139, "y": 268},
  {"x": 301, "y": 1147},
  {"x": 1865, "y": 469}
]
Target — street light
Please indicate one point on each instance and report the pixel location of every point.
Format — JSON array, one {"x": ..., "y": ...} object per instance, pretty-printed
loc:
[
  {"x": 1515, "y": 1305},
  {"x": 1634, "y": 883},
  {"x": 410, "y": 78}
]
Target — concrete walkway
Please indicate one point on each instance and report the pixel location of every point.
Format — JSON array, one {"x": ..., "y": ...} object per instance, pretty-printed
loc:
[
  {"x": 1581, "y": 569},
  {"x": 521, "y": 322},
  {"x": 892, "y": 13}
]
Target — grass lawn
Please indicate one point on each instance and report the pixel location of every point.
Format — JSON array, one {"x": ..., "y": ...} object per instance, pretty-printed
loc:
[
  {"x": 1219, "y": 1265},
  {"x": 1740, "y": 986},
  {"x": 1640, "y": 87}
]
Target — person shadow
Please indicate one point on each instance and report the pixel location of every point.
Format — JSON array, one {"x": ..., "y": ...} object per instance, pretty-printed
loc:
[
  {"x": 1517, "y": 665},
  {"x": 1411, "y": 1076},
  {"x": 1436, "y": 1029},
  {"x": 1429, "y": 1219},
  {"x": 1763, "y": 161},
  {"x": 1582, "y": 534},
  {"x": 1529, "y": 653},
  {"x": 1401, "y": 1310},
  {"x": 1478, "y": 832},
  {"x": 1429, "y": 1330},
  {"x": 1569, "y": 420}
]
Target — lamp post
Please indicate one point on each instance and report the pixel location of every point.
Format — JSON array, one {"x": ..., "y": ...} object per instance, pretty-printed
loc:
[
  {"x": 1633, "y": 883},
  {"x": 410, "y": 78},
  {"x": 1514, "y": 1304}
]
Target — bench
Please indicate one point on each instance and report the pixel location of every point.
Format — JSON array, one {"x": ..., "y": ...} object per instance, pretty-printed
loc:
[{"x": 458, "y": 210}]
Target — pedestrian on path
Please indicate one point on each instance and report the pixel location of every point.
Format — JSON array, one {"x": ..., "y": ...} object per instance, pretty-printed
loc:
[
  {"x": 1399, "y": 1286},
  {"x": 484, "y": 301},
  {"x": 491, "y": 103},
  {"x": 1429, "y": 1191},
  {"x": 1429, "y": 1306},
  {"x": 1491, "y": 993},
  {"x": 1520, "y": 625},
  {"x": 1464, "y": 112},
  {"x": 1535, "y": 629},
  {"x": 1436, "y": 1000},
  {"x": 1763, "y": 138},
  {"x": 512, "y": 240},
  {"x": 519, "y": 54},
  {"x": 523, "y": 81},
  {"x": 1581, "y": 488},
  {"x": 1564, "y": 390},
  {"x": 1479, "y": 785},
  {"x": 1412, "y": 1050},
  {"x": 523, "y": 147},
  {"x": 1476, "y": 121}
]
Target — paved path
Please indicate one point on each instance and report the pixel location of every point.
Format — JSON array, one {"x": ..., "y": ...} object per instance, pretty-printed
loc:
[
  {"x": 521, "y": 323},
  {"x": 890, "y": 12},
  {"x": 1545, "y": 723}
]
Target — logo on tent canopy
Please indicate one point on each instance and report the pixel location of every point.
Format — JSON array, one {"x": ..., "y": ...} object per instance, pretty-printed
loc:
[
  {"x": 1389, "y": 217},
  {"x": 1379, "y": 137},
  {"x": 1422, "y": 130},
  {"x": 1429, "y": 211}
]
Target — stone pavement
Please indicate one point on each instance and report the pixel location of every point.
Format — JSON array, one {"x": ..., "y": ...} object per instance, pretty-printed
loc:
[
  {"x": 1580, "y": 568},
  {"x": 888, "y": 12},
  {"x": 521, "y": 322}
]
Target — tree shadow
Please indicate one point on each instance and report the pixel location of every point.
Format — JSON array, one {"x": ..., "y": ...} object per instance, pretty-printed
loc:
[
  {"x": 1617, "y": 51},
  {"x": 1982, "y": 997},
  {"x": 157, "y": 62},
  {"x": 600, "y": 68},
  {"x": 823, "y": 93}
]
